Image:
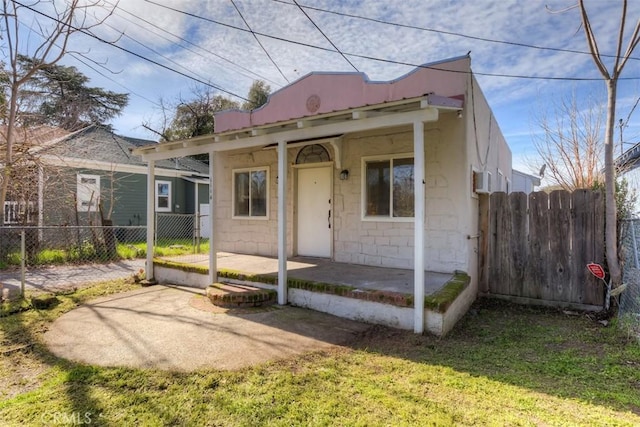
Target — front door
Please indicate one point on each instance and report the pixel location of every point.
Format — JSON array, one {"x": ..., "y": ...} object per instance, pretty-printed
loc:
[{"x": 314, "y": 212}]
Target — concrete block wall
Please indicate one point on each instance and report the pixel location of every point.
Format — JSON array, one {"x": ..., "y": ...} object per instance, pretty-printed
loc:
[
  {"x": 385, "y": 243},
  {"x": 250, "y": 236},
  {"x": 390, "y": 243}
]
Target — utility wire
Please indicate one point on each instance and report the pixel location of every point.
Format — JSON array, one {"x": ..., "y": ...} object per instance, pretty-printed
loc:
[
  {"x": 90, "y": 34},
  {"x": 449, "y": 33},
  {"x": 77, "y": 58},
  {"x": 258, "y": 40},
  {"x": 86, "y": 64},
  {"x": 188, "y": 42},
  {"x": 154, "y": 51},
  {"x": 325, "y": 36},
  {"x": 384, "y": 60}
]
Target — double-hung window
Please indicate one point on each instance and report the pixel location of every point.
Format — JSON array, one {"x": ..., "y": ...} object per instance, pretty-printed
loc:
[
  {"x": 163, "y": 196},
  {"x": 388, "y": 187},
  {"x": 88, "y": 192},
  {"x": 251, "y": 193}
]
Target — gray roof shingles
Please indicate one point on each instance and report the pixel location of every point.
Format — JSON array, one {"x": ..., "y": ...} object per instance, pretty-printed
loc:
[{"x": 96, "y": 143}]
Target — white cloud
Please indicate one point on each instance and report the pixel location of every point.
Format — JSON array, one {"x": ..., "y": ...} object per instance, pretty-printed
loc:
[{"x": 526, "y": 22}]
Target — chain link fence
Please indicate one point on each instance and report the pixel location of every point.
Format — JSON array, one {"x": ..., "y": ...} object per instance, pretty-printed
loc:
[
  {"x": 66, "y": 257},
  {"x": 182, "y": 237},
  {"x": 629, "y": 309},
  {"x": 57, "y": 258}
]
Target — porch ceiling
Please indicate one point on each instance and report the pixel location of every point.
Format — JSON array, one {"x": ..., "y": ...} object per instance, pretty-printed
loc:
[{"x": 397, "y": 113}]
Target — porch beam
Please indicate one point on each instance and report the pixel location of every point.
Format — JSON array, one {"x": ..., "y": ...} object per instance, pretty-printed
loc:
[
  {"x": 213, "y": 250},
  {"x": 151, "y": 220},
  {"x": 170, "y": 150},
  {"x": 418, "y": 227},
  {"x": 282, "y": 222}
]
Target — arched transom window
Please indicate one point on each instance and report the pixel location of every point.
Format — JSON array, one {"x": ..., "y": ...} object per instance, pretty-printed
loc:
[{"x": 315, "y": 153}]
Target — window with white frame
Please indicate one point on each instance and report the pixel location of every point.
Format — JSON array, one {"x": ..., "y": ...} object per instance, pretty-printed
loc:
[
  {"x": 163, "y": 196},
  {"x": 251, "y": 193},
  {"x": 88, "y": 192},
  {"x": 388, "y": 187}
]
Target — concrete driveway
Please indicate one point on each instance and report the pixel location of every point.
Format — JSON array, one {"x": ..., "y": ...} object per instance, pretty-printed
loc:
[
  {"x": 64, "y": 277},
  {"x": 176, "y": 328}
]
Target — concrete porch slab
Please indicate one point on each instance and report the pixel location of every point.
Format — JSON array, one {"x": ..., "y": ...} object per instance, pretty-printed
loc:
[
  {"x": 324, "y": 270},
  {"x": 364, "y": 293}
]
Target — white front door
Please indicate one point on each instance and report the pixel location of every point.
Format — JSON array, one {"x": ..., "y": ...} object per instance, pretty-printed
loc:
[{"x": 314, "y": 220}]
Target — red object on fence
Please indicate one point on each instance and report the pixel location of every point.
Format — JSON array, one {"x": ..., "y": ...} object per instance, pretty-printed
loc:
[{"x": 596, "y": 270}]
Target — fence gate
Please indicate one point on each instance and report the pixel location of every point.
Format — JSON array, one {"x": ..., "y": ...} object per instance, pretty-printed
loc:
[{"x": 537, "y": 246}]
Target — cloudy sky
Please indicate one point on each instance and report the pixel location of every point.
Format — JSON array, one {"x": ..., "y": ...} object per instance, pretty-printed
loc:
[{"x": 209, "y": 41}]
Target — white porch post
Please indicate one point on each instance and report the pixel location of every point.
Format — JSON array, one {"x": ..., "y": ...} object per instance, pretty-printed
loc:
[
  {"x": 419, "y": 206},
  {"x": 151, "y": 207},
  {"x": 213, "y": 251},
  {"x": 282, "y": 222}
]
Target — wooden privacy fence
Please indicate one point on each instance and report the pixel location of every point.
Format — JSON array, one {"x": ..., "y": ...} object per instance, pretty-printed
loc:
[{"x": 537, "y": 246}]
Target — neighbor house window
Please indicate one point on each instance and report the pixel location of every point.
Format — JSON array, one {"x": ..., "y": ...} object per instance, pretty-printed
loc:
[
  {"x": 388, "y": 187},
  {"x": 88, "y": 192},
  {"x": 250, "y": 193},
  {"x": 163, "y": 196}
]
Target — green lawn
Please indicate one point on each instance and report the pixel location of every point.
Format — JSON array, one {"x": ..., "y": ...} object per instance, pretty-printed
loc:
[
  {"x": 87, "y": 253},
  {"x": 502, "y": 365}
]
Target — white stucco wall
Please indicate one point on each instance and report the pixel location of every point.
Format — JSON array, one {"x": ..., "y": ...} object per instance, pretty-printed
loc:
[{"x": 486, "y": 150}]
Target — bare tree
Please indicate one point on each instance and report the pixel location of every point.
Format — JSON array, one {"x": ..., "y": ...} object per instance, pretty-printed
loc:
[
  {"x": 570, "y": 144},
  {"x": 64, "y": 20},
  {"x": 611, "y": 80}
]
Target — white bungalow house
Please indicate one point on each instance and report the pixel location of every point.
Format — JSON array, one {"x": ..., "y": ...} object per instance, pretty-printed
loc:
[
  {"x": 336, "y": 166},
  {"x": 523, "y": 182}
]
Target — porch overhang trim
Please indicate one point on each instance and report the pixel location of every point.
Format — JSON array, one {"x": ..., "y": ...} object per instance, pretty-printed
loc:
[
  {"x": 195, "y": 180},
  {"x": 335, "y": 141},
  {"x": 244, "y": 140}
]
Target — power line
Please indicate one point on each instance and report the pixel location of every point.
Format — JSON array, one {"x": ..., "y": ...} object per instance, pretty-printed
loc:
[
  {"x": 90, "y": 34},
  {"x": 258, "y": 40},
  {"x": 77, "y": 58},
  {"x": 388, "y": 61},
  {"x": 113, "y": 80},
  {"x": 154, "y": 51},
  {"x": 188, "y": 42},
  {"x": 450, "y": 33},
  {"x": 325, "y": 36}
]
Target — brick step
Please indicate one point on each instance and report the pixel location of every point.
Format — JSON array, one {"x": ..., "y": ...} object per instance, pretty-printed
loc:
[{"x": 232, "y": 295}]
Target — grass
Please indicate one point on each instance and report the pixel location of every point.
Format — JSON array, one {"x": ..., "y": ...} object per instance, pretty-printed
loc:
[
  {"x": 87, "y": 253},
  {"x": 502, "y": 365}
]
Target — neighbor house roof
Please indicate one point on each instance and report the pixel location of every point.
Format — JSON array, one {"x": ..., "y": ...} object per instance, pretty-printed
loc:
[
  {"x": 630, "y": 159},
  {"x": 32, "y": 138},
  {"x": 98, "y": 144}
]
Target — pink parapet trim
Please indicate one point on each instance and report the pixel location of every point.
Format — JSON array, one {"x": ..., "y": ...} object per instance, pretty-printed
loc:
[{"x": 322, "y": 93}]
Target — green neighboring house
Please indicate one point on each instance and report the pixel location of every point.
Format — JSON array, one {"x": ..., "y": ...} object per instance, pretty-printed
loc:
[{"x": 92, "y": 173}]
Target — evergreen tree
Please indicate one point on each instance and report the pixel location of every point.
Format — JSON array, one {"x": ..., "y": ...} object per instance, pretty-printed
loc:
[{"x": 59, "y": 95}]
